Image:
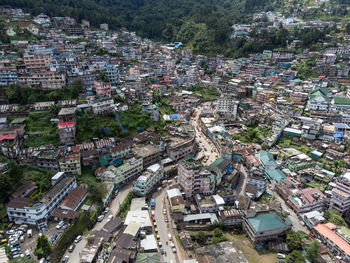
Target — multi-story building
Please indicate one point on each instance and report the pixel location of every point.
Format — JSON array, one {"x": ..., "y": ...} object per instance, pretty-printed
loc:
[
  {"x": 8, "y": 76},
  {"x": 298, "y": 98},
  {"x": 259, "y": 181},
  {"x": 66, "y": 131},
  {"x": 36, "y": 61},
  {"x": 180, "y": 148},
  {"x": 46, "y": 159},
  {"x": 148, "y": 180},
  {"x": 265, "y": 226},
  {"x": 318, "y": 99},
  {"x": 340, "y": 199},
  {"x": 102, "y": 88},
  {"x": 29, "y": 211},
  {"x": 227, "y": 105},
  {"x": 70, "y": 164},
  {"x": 149, "y": 153},
  {"x": 102, "y": 107},
  {"x": 112, "y": 73},
  {"x": 10, "y": 145},
  {"x": 194, "y": 179},
  {"x": 67, "y": 114},
  {"x": 306, "y": 200},
  {"x": 46, "y": 80}
]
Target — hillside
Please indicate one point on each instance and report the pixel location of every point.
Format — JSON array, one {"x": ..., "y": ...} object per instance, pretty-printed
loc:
[{"x": 204, "y": 25}]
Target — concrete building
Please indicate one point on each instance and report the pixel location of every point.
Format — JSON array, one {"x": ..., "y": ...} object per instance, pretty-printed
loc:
[
  {"x": 47, "y": 80},
  {"x": 265, "y": 226},
  {"x": 306, "y": 200},
  {"x": 8, "y": 76},
  {"x": 112, "y": 73},
  {"x": 66, "y": 131},
  {"x": 318, "y": 99},
  {"x": 102, "y": 88},
  {"x": 194, "y": 179},
  {"x": 148, "y": 180},
  {"x": 102, "y": 107},
  {"x": 149, "y": 153},
  {"x": 180, "y": 148},
  {"x": 340, "y": 199},
  {"x": 36, "y": 62},
  {"x": 227, "y": 105},
  {"x": 70, "y": 164},
  {"x": 25, "y": 210}
]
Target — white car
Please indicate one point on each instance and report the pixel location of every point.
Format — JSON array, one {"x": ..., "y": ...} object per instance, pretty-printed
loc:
[
  {"x": 110, "y": 217},
  {"x": 78, "y": 239},
  {"x": 281, "y": 256},
  {"x": 100, "y": 218},
  {"x": 164, "y": 211},
  {"x": 60, "y": 224}
]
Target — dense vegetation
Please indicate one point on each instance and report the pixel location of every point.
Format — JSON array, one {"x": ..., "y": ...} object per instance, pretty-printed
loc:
[{"x": 203, "y": 25}]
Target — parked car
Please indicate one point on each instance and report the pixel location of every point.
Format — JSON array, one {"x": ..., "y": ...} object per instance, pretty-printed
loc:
[
  {"x": 110, "y": 217},
  {"x": 65, "y": 226},
  {"x": 65, "y": 259},
  {"x": 159, "y": 244},
  {"x": 27, "y": 253},
  {"x": 152, "y": 213},
  {"x": 170, "y": 237},
  {"x": 105, "y": 211},
  {"x": 21, "y": 239},
  {"x": 100, "y": 218},
  {"x": 29, "y": 233},
  {"x": 174, "y": 250},
  {"x": 71, "y": 248},
  {"x": 281, "y": 256},
  {"x": 53, "y": 238},
  {"x": 162, "y": 251},
  {"x": 165, "y": 219},
  {"x": 78, "y": 238},
  {"x": 164, "y": 211},
  {"x": 60, "y": 224}
]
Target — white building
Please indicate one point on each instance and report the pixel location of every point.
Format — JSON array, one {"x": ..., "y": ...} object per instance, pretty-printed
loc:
[
  {"x": 340, "y": 199},
  {"x": 25, "y": 210},
  {"x": 148, "y": 180},
  {"x": 101, "y": 107},
  {"x": 227, "y": 105}
]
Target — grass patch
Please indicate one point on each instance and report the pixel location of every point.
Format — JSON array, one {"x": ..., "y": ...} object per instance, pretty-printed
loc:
[
  {"x": 125, "y": 206},
  {"x": 40, "y": 130},
  {"x": 208, "y": 93}
]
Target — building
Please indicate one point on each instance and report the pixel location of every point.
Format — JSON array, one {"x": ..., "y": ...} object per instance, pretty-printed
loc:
[
  {"x": 227, "y": 105},
  {"x": 67, "y": 114},
  {"x": 306, "y": 200},
  {"x": 194, "y": 178},
  {"x": 29, "y": 211},
  {"x": 298, "y": 98},
  {"x": 10, "y": 145},
  {"x": 36, "y": 62},
  {"x": 336, "y": 243},
  {"x": 102, "y": 88},
  {"x": 149, "y": 153},
  {"x": 180, "y": 148},
  {"x": 318, "y": 99},
  {"x": 70, "y": 163},
  {"x": 265, "y": 226},
  {"x": 46, "y": 159},
  {"x": 146, "y": 183},
  {"x": 8, "y": 76},
  {"x": 340, "y": 199},
  {"x": 46, "y": 80},
  {"x": 66, "y": 131},
  {"x": 259, "y": 181},
  {"x": 102, "y": 107},
  {"x": 113, "y": 73}
]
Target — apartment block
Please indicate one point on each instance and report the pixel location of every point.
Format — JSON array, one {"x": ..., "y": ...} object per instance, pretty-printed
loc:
[
  {"x": 70, "y": 164},
  {"x": 36, "y": 62},
  {"x": 306, "y": 200},
  {"x": 8, "y": 76},
  {"x": 102, "y": 88},
  {"x": 47, "y": 80},
  {"x": 149, "y": 153},
  {"x": 180, "y": 148},
  {"x": 194, "y": 178},
  {"x": 227, "y": 105},
  {"x": 148, "y": 180},
  {"x": 112, "y": 73},
  {"x": 340, "y": 199},
  {"x": 24, "y": 210},
  {"x": 66, "y": 131},
  {"x": 102, "y": 107}
]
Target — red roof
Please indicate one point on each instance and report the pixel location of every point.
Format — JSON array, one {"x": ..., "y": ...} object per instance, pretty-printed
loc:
[
  {"x": 66, "y": 124},
  {"x": 7, "y": 137},
  {"x": 326, "y": 231}
]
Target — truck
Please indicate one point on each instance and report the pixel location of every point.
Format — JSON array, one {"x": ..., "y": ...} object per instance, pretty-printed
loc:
[{"x": 153, "y": 203}]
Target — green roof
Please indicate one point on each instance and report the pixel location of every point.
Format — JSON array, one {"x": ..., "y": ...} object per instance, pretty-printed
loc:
[
  {"x": 276, "y": 174},
  {"x": 319, "y": 92},
  {"x": 148, "y": 258},
  {"x": 266, "y": 221},
  {"x": 266, "y": 158},
  {"x": 341, "y": 100}
]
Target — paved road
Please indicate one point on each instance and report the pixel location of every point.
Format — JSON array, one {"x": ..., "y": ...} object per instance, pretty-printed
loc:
[
  {"x": 114, "y": 207},
  {"x": 164, "y": 228},
  {"x": 242, "y": 180}
]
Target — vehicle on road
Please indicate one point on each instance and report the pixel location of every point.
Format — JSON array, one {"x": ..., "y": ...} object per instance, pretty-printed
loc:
[
  {"x": 173, "y": 249},
  {"x": 110, "y": 217},
  {"x": 162, "y": 251},
  {"x": 164, "y": 211},
  {"x": 105, "y": 211},
  {"x": 170, "y": 237},
  {"x": 65, "y": 259},
  {"x": 71, "y": 248},
  {"x": 100, "y": 218},
  {"x": 158, "y": 236},
  {"x": 78, "y": 238},
  {"x": 53, "y": 238},
  {"x": 159, "y": 244},
  {"x": 152, "y": 213},
  {"x": 153, "y": 203},
  {"x": 165, "y": 219},
  {"x": 156, "y": 230}
]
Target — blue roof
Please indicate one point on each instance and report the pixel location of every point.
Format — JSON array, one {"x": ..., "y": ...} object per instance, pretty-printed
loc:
[
  {"x": 175, "y": 116},
  {"x": 341, "y": 125}
]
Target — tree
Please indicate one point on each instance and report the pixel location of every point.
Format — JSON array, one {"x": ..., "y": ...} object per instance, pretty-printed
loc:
[
  {"x": 43, "y": 247},
  {"x": 333, "y": 216},
  {"x": 54, "y": 110},
  {"x": 218, "y": 232},
  {"x": 23, "y": 260},
  {"x": 294, "y": 239},
  {"x": 297, "y": 256},
  {"x": 77, "y": 88},
  {"x": 312, "y": 252},
  {"x": 201, "y": 237}
]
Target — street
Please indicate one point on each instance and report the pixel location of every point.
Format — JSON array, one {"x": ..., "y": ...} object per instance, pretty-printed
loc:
[
  {"x": 114, "y": 209},
  {"x": 242, "y": 180}
]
